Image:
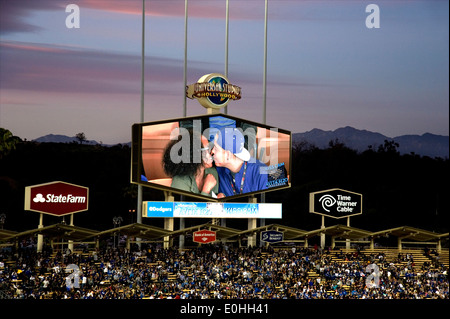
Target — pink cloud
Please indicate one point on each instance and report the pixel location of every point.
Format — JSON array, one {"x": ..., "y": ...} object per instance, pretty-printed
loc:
[
  {"x": 47, "y": 68},
  {"x": 212, "y": 9},
  {"x": 14, "y": 14},
  {"x": 31, "y": 47},
  {"x": 34, "y": 67}
]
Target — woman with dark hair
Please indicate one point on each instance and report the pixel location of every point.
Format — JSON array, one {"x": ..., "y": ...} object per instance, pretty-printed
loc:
[{"x": 191, "y": 174}]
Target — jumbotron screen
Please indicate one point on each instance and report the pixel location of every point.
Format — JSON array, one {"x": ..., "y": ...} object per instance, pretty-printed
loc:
[{"x": 215, "y": 157}]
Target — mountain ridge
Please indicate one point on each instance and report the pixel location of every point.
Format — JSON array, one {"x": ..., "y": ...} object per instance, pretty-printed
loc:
[
  {"x": 59, "y": 138},
  {"x": 427, "y": 144}
]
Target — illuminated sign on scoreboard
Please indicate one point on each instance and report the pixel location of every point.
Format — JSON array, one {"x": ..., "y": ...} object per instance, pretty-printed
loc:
[{"x": 211, "y": 210}]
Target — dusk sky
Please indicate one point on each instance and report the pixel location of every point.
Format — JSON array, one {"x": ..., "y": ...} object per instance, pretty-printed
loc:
[{"x": 325, "y": 68}]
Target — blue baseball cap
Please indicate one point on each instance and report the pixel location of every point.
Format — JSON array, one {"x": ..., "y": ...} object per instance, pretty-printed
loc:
[{"x": 231, "y": 139}]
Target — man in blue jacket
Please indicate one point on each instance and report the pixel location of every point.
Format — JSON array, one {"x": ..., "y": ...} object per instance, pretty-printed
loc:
[{"x": 238, "y": 172}]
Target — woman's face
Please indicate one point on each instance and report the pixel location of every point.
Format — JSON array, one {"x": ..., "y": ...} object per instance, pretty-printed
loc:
[{"x": 206, "y": 153}]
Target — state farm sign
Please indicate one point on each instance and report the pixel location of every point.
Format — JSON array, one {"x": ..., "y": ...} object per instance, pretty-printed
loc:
[
  {"x": 204, "y": 236},
  {"x": 56, "y": 198}
]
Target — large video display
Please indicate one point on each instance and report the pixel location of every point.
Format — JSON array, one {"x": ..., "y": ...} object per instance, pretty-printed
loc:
[{"x": 215, "y": 157}]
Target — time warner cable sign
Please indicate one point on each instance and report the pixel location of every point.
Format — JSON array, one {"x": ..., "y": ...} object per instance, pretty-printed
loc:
[
  {"x": 211, "y": 210},
  {"x": 335, "y": 203}
]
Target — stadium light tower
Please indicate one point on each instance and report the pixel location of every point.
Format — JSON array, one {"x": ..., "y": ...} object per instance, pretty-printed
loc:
[
  {"x": 227, "y": 19},
  {"x": 185, "y": 57},
  {"x": 263, "y": 195},
  {"x": 139, "y": 197},
  {"x": 2, "y": 220}
]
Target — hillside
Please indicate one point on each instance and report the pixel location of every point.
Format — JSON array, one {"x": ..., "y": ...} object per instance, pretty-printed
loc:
[{"x": 360, "y": 140}]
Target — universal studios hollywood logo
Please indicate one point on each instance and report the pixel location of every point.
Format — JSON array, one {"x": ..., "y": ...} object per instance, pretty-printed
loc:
[
  {"x": 213, "y": 91},
  {"x": 336, "y": 203}
]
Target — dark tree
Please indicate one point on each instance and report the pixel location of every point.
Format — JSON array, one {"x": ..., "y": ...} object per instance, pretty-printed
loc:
[{"x": 81, "y": 137}]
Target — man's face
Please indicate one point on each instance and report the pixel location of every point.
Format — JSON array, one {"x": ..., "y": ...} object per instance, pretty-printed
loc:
[{"x": 220, "y": 155}]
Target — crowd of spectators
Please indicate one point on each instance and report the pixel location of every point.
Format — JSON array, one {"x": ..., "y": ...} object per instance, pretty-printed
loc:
[{"x": 216, "y": 271}]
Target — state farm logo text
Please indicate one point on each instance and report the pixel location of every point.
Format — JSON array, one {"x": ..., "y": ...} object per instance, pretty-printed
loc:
[{"x": 52, "y": 198}]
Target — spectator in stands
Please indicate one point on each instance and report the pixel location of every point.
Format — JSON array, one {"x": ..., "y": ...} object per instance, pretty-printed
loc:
[{"x": 212, "y": 271}]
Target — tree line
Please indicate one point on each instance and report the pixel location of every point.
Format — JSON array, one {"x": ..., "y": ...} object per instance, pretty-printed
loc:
[{"x": 397, "y": 189}]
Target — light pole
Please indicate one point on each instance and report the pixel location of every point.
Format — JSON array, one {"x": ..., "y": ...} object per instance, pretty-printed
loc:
[
  {"x": 117, "y": 220},
  {"x": 132, "y": 212},
  {"x": 2, "y": 220},
  {"x": 140, "y": 191}
]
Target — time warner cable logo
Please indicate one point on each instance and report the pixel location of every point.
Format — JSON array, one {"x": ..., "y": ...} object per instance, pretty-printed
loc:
[
  {"x": 343, "y": 203},
  {"x": 327, "y": 201}
]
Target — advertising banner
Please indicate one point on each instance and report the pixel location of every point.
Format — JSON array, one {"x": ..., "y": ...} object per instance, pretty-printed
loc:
[
  {"x": 56, "y": 198},
  {"x": 211, "y": 210},
  {"x": 271, "y": 236},
  {"x": 204, "y": 236},
  {"x": 335, "y": 203},
  {"x": 213, "y": 91}
]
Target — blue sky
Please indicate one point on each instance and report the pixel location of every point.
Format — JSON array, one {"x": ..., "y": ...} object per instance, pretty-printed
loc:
[{"x": 325, "y": 69}]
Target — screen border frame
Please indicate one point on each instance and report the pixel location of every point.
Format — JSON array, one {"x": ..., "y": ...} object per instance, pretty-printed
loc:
[{"x": 137, "y": 166}]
